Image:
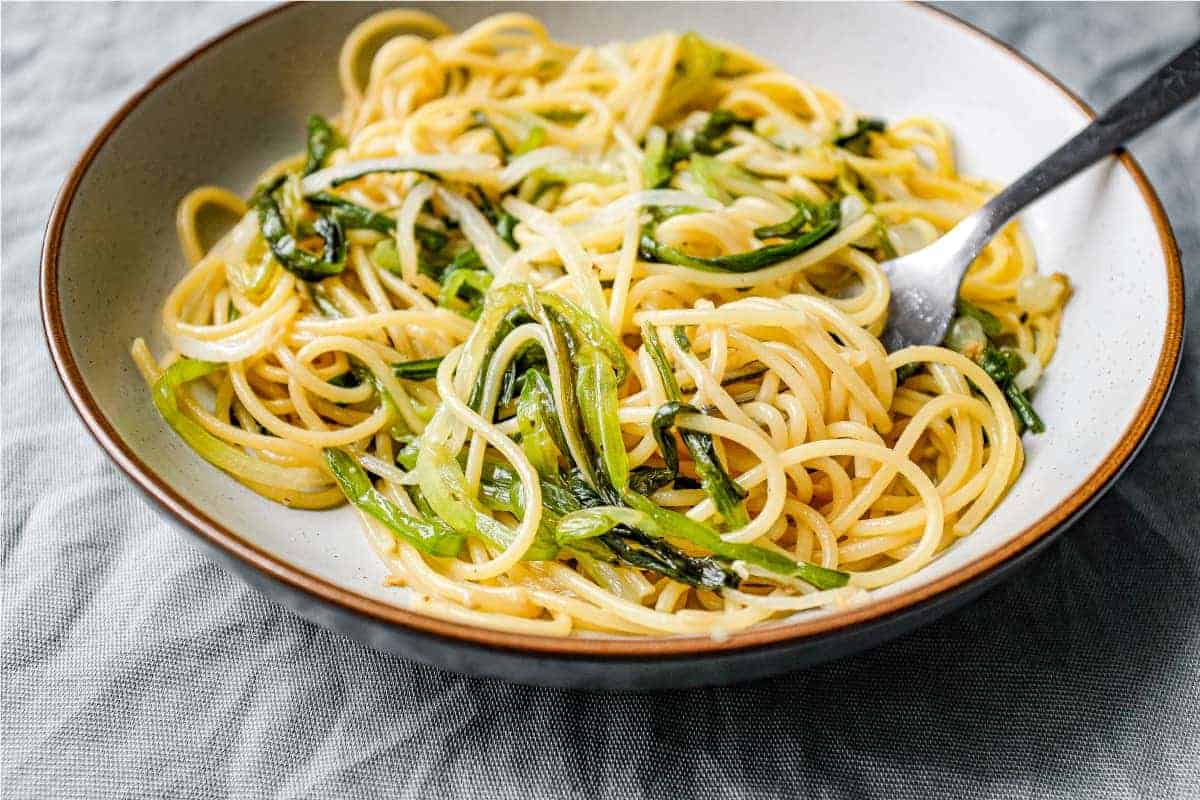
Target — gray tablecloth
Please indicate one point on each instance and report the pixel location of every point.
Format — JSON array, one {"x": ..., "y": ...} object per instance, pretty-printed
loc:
[{"x": 133, "y": 666}]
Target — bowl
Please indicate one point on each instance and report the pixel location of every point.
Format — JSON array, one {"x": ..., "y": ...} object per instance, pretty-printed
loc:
[{"x": 236, "y": 104}]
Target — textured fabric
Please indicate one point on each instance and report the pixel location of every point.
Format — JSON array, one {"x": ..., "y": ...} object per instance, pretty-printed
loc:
[{"x": 132, "y": 666}]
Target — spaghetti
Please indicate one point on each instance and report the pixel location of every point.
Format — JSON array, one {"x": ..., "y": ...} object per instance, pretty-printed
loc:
[{"x": 588, "y": 336}]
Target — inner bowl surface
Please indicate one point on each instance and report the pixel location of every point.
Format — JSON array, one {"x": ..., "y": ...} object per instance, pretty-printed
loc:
[{"x": 239, "y": 103}]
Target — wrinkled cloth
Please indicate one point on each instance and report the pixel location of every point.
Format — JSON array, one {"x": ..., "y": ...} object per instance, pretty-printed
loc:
[{"x": 133, "y": 666}]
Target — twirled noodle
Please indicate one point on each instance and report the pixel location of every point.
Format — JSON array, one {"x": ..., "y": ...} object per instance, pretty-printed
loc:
[{"x": 542, "y": 264}]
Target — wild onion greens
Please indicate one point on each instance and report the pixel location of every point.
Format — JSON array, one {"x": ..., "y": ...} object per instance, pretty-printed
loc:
[
  {"x": 709, "y": 140},
  {"x": 465, "y": 287},
  {"x": 481, "y": 120},
  {"x": 1002, "y": 364},
  {"x": 750, "y": 261},
  {"x": 421, "y": 369},
  {"x": 580, "y": 426},
  {"x": 858, "y": 140},
  {"x": 697, "y": 63},
  {"x": 286, "y": 248},
  {"x": 323, "y": 139},
  {"x": 725, "y": 492},
  {"x": 351, "y": 215},
  {"x": 429, "y": 535},
  {"x": 808, "y": 217}
]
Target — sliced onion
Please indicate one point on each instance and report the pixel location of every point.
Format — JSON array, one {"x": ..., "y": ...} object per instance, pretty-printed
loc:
[
  {"x": 852, "y": 207},
  {"x": 966, "y": 336},
  {"x": 491, "y": 248},
  {"x": 422, "y": 162},
  {"x": 617, "y": 209},
  {"x": 1039, "y": 294},
  {"x": 521, "y": 166},
  {"x": 240, "y": 346},
  {"x": 785, "y": 134},
  {"x": 406, "y": 220},
  {"x": 1031, "y": 374},
  {"x": 382, "y": 468},
  {"x": 574, "y": 259},
  {"x": 909, "y": 237}
]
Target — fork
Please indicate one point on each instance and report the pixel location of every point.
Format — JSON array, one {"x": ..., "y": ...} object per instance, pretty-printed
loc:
[{"x": 925, "y": 283}]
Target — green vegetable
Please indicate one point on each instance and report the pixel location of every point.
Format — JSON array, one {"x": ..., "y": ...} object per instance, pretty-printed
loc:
[
  {"x": 481, "y": 121},
  {"x": 430, "y": 536},
  {"x": 696, "y": 66},
  {"x": 662, "y": 154},
  {"x": 662, "y": 523},
  {"x": 648, "y": 480},
  {"x": 398, "y": 430},
  {"x": 421, "y": 369},
  {"x": 445, "y": 487},
  {"x": 322, "y": 302},
  {"x": 504, "y": 222},
  {"x": 665, "y": 372},
  {"x": 1026, "y": 416},
  {"x": 722, "y": 180},
  {"x": 708, "y": 139},
  {"x": 535, "y": 139},
  {"x": 287, "y": 250},
  {"x": 386, "y": 256},
  {"x": 681, "y": 338},
  {"x": 632, "y": 547},
  {"x": 808, "y": 216},
  {"x": 858, "y": 141},
  {"x": 322, "y": 140},
  {"x": 596, "y": 387},
  {"x": 763, "y": 257},
  {"x": 407, "y": 457},
  {"x": 541, "y": 438},
  {"x": 528, "y": 357},
  {"x": 432, "y": 259},
  {"x": 986, "y": 319},
  {"x": 703, "y": 169},
  {"x": 464, "y": 288},
  {"x": 885, "y": 243},
  {"x": 725, "y": 492},
  {"x": 430, "y": 238},
  {"x": 209, "y": 447},
  {"x": 563, "y": 116},
  {"x": 503, "y": 310},
  {"x": 501, "y": 490},
  {"x": 563, "y": 173},
  {"x": 1002, "y": 365},
  {"x": 559, "y": 362},
  {"x": 906, "y": 371},
  {"x": 352, "y": 215},
  {"x": 587, "y": 330}
]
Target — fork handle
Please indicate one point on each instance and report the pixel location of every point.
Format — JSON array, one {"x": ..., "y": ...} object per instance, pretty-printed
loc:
[{"x": 1158, "y": 96}]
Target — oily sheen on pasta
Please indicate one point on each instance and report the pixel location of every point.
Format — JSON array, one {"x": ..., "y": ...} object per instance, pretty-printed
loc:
[{"x": 587, "y": 336}]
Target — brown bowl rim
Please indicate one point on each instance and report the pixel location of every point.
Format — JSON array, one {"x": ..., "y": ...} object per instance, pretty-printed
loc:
[{"x": 605, "y": 648}]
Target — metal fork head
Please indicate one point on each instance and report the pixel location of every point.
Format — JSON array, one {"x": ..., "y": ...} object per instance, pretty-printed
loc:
[{"x": 925, "y": 289}]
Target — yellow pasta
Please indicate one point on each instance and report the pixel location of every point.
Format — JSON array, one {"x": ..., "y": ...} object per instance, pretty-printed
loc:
[{"x": 588, "y": 336}]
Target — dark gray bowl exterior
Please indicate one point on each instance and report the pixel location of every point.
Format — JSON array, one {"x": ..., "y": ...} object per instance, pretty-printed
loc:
[
  {"x": 608, "y": 673},
  {"x": 262, "y": 76}
]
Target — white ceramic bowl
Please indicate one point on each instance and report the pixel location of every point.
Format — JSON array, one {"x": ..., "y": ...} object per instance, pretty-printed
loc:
[{"x": 238, "y": 103}]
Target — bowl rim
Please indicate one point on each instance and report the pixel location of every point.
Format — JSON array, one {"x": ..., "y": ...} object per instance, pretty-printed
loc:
[{"x": 319, "y": 589}]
